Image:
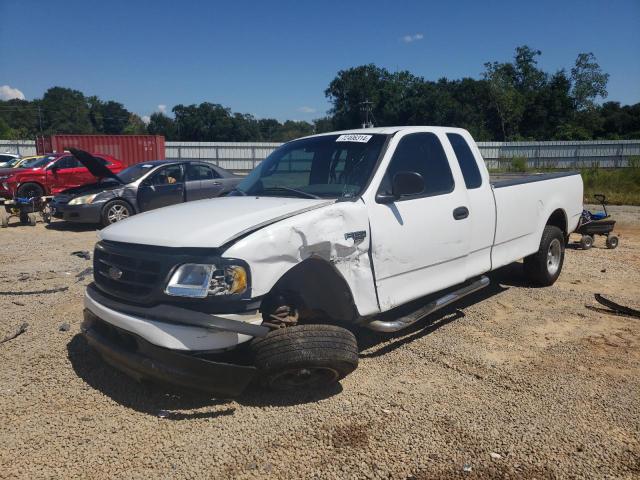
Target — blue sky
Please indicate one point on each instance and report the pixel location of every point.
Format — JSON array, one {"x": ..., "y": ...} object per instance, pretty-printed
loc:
[{"x": 275, "y": 58}]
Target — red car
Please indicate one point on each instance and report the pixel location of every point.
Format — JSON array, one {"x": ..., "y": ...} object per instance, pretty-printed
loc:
[{"x": 50, "y": 175}]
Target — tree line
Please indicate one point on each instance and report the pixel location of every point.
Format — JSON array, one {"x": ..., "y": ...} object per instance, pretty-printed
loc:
[{"x": 513, "y": 100}]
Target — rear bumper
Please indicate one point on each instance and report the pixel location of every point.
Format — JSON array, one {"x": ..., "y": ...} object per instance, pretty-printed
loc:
[{"x": 140, "y": 359}]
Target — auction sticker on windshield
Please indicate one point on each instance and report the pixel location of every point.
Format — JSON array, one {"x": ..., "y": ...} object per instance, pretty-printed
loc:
[{"x": 354, "y": 138}]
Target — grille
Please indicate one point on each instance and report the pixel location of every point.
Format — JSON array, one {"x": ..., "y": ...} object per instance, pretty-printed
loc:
[{"x": 127, "y": 272}]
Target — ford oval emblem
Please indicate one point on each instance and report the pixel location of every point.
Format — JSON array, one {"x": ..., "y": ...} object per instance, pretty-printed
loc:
[{"x": 114, "y": 273}]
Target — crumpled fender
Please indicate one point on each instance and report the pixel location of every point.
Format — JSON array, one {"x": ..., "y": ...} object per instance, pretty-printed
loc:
[{"x": 338, "y": 233}]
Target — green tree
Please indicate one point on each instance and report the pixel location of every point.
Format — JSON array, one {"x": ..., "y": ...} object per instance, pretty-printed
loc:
[
  {"x": 65, "y": 111},
  {"x": 135, "y": 126},
  {"x": 160, "y": 124},
  {"x": 589, "y": 81},
  {"x": 506, "y": 99}
]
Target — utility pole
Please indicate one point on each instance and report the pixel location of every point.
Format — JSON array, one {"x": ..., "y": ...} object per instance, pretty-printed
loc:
[{"x": 366, "y": 107}]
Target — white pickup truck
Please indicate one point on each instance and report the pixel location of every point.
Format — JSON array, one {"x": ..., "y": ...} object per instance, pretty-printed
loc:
[{"x": 371, "y": 228}]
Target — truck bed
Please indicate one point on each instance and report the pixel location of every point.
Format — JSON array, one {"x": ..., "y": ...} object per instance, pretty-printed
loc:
[{"x": 499, "y": 180}]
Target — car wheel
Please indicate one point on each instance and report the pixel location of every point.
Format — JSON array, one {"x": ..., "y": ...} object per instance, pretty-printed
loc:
[
  {"x": 612, "y": 241},
  {"x": 305, "y": 356},
  {"x": 586, "y": 242},
  {"x": 115, "y": 211},
  {"x": 543, "y": 267},
  {"x": 30, "y": 190}
]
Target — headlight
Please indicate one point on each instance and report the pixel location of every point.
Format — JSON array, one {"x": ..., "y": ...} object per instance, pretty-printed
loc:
[
  {"x": 201, "y": 280},
  {"x": 83, "y": 200}
]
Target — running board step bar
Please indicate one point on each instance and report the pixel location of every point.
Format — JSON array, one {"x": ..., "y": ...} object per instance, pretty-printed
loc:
[{"x": 423, "y": 311}]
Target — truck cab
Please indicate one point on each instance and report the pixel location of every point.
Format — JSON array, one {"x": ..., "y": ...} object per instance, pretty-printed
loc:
[{"x": 329, "y": 234}]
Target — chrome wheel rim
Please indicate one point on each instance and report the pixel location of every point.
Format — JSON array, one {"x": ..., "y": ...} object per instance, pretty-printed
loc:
[
  {"x": 117, "y": 213},
  {"x": 554, "y": 254}
]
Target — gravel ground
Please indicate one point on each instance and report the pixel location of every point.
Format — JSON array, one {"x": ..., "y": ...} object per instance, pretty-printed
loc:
[{"x": 514, "y": 383}]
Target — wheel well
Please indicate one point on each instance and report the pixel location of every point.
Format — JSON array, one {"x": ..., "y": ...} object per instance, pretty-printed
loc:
[
  {"x": 558, "y": 219},
  {"x": 28, "y": 182},
  {"x": 316, "y": 289}
]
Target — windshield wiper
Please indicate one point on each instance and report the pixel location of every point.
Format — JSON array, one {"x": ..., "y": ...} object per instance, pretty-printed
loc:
[{"x": 292, "y": 190}]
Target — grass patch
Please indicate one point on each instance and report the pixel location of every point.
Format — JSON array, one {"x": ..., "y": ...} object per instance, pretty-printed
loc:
[{"x": 620, "y": 185}]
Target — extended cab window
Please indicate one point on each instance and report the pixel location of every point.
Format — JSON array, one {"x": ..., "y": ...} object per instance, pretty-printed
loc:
[
  {"x": 466, "y": 160},
  {"x": 200, "y": 172},
  {"x": 421, "y": 153}
]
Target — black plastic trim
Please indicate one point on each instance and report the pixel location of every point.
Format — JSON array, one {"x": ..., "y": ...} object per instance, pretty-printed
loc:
[{"x": 535, "y": 177}]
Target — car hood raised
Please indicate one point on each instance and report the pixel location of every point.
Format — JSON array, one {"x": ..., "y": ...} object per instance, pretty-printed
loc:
[{"x": 207, "y": 223}]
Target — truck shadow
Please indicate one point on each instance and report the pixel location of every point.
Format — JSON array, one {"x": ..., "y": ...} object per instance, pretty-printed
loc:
[
  {"x": 501, "y": 279},
  {"x": 173, "y": 404}
]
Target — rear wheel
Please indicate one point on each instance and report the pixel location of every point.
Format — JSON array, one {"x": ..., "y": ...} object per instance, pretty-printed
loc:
[
  {"x": 586, "y": 242},
  {"x": 30, "y": 190},
  {"x": 612, "y": 241},
  {"x": 115, "y": 211},
  {"x": 305, "y": 356},
  {"x": 543, "y": 267}
]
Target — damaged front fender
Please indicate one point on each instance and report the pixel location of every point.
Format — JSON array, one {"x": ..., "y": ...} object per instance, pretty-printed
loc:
[{"x": 337, "y": 234}]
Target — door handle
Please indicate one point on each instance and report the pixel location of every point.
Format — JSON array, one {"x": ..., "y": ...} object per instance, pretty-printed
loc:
[
  {"x": 217, "y": 183},
  {"x": 460, "y": 213}
]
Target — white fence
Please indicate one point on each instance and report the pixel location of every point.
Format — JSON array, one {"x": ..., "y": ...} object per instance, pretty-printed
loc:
[{"x": 242, "y": 157}]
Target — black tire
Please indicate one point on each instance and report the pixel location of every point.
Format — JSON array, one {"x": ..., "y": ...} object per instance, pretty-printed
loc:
[
  {"x": 586, "y": 242},
  {"x": 543, "y": 267},
  {"x": 110, "y": 215},
  {"x": 305, "y": 356},
  {"x": 30, "y": 190},
  {"x": 24, "y": 218},
  {"x": 612, "y": 241}
]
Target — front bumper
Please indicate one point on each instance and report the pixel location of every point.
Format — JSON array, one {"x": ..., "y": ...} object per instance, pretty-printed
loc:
[
  {"x": 88, "y": 213},
  {"x": 141, "y": 360}
]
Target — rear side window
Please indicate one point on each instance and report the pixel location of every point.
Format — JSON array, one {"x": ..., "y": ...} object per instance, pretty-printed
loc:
[
  {"x": 200, "y": 172},
  {"x": 421, "y": 153},
  {"x": 466, "y": 160}
]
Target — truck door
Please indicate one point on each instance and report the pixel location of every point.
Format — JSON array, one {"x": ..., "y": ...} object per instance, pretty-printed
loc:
[
  {"x": 163, "y": 187},
  {"x": 420, "y": 242}
]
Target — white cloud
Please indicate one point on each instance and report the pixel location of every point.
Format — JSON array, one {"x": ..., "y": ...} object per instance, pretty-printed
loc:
[
  {"x": 412, "y": 38},
  {"x": 162, "y": 108},
  {"x": 146, "y": 119},
  {"x": 306, "y": 109},
  {"x": 9, "y": 93}
]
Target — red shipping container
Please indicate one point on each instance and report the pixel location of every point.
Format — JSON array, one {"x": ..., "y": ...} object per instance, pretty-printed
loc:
[{"x": 129, "y": 149}]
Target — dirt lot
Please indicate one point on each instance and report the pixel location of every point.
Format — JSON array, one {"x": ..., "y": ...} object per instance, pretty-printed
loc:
[{"x": 516, "y": 382}]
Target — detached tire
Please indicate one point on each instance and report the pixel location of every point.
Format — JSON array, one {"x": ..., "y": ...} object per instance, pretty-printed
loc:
[
  {"x": 543, "y": 267},
  {"x": 305, "y": 356}
]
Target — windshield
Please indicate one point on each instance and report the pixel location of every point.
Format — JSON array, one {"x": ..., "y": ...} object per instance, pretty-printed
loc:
[
  {"x": 328, "y": 166},
  {"x": 133, "y": 173},
  {"x": 37, "y": 162}
]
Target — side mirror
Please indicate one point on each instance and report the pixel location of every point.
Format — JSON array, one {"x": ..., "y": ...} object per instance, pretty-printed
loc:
[
  {"x": 403, "y": 184},
  {"x": 54, "y": 168}
]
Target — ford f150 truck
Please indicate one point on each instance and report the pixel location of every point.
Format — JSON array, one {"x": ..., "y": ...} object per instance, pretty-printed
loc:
[{"x": 372, "y": 228}]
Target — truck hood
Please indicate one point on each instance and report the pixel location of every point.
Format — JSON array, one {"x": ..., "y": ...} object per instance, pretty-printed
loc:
[{"x": 207, "y": 223}]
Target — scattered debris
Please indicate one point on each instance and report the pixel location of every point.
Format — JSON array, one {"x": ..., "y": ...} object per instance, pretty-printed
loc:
[
  {"x": 20, "y": 304},
  {"x": 495, "y": 456},
  {"x": 386, "y": 410},
  {"x": 604, "y": 270},
  {"x": 21, "y": 329},
  {"x": 617, "y": 308},
  {"x": 163, "y": 413},
  {"x": 84, "y": 273},
  {"x": 466, "y": 468},
  {"x": 65, "y": 327},
  {"x": 36, "y": 292},
  {"x": 82, "y": 254}
]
